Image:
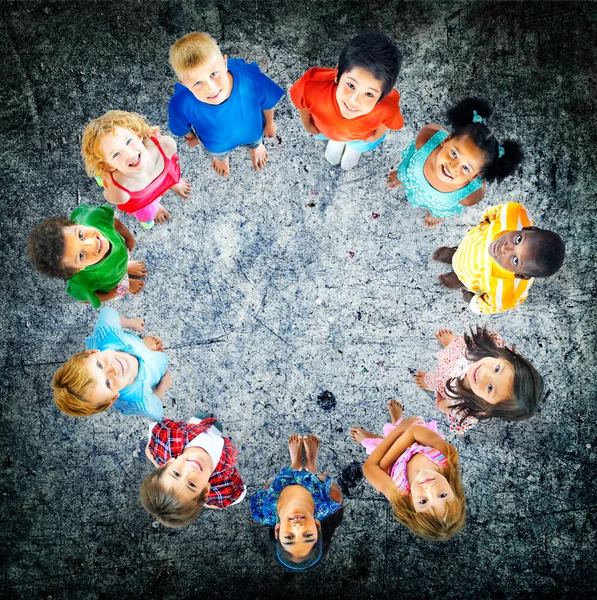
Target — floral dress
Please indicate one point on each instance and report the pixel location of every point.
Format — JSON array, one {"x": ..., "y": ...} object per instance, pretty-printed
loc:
[
  {"x": 452, "y": 362},
  {"x": 264, "y": 503}
]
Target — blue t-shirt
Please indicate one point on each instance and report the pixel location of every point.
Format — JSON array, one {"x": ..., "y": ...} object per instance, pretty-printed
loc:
[
  {"x": 238, "y": 120},
  {"x": 138, "y": 398}
]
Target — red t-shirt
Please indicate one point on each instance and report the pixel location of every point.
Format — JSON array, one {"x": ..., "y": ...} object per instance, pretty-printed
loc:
[{"x": 316, "y": 91}]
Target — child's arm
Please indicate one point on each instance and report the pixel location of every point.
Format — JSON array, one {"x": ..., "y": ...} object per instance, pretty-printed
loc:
[
  {"x": 124, "y": 231},
  {"x": 305, "y": 116},
  {"x": 475, "y": 197},
  {"x": 270, "y": 128},
  {"x": 168, "y": 144},
  {"x": 164, "y": 385},
  {"x": 425, "y": 134},
  {"x": 136, "y": 324},
  {"x": 113, "y": 194},
  {"x": 149, "y": 456},
  {"x": 378, "y": 133},
  {"x": 105, "y": 296}
]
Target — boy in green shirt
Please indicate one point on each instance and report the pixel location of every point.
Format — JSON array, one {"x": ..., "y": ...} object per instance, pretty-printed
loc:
[{"x": 91, "y": 251}]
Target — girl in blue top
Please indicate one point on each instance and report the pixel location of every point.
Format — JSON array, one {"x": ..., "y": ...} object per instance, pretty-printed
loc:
[
  {"x": 301, "y": 508},
  {"x": 446, "y": 172}
]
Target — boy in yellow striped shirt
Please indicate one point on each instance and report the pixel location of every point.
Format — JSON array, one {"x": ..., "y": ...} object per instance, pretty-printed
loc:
[{"x": 498, "y": 259}]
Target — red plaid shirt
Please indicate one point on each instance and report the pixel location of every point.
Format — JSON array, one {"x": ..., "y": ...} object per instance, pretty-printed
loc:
[{"x": 170, "y": 438}]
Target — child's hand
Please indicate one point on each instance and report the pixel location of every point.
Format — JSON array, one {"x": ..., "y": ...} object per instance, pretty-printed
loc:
[
  {"x": 136, "y": 324},
  {"x": 310, "y": 128},
  {"x": 130, "y": 243},
  {"x": 468, "y": 296},
  {"x": 392, "y": 181},
  {"x": 444, "y": 336},
  {"x": 165, "y": 382},
  {"x": 270, "y": 129},
  {"x": 153, "y": 342}
]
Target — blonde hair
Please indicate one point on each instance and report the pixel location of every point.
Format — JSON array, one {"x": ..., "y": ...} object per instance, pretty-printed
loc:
[
  {"x": 96, "y": 130},
  {"x": 71, "y": 383},
  {"x": 166, "y": 507},
  {"x": 430, "y": 525},
  {"x": 191, "y": 50}
]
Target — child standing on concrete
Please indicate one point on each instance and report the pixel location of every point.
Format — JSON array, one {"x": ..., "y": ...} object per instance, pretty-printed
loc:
[
  {"x": 196, "y": 468},
  {"x": 498, "y": 260},
  {"x": 117, "y": 370},
  {"x": 222, "y": 102},
  {"x": 355, "y": 104},
  {"x": 91, "y": 251}
]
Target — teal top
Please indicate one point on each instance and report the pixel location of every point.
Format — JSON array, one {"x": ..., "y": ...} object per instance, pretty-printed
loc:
[{"x": 419, "y": 192}]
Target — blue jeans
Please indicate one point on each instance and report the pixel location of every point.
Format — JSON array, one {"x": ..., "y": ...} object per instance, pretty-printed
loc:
[
  {"x": 225, "y": 155},
  {"x": 358, "y": 145}
]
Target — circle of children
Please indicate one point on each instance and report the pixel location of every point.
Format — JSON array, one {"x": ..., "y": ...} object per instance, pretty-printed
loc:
[{"x": 226, "y": 103}]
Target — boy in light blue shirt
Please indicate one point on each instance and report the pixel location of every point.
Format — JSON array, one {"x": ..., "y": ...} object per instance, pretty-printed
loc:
[
  {"x": 118, "y": 370},
  {"x": 224, "y": 103}
]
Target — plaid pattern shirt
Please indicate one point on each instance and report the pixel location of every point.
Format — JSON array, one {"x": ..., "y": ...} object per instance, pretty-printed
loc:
[{"x": 169, "y": 439}]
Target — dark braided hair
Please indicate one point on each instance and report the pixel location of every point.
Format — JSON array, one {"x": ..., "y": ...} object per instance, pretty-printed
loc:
[
  {"x": 496, "y": 168},
  {"x": 45, "y": 248},
  {"x": 527, "y": 391}
]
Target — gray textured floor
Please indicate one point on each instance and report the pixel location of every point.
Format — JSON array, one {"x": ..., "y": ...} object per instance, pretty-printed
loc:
[{"x": 261, "y": 306}]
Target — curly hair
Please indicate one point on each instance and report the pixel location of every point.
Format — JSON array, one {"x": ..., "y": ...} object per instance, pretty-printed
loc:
[
  {"x": 549, "y": 252},
  {"x": 496, "y": 167},
  {"x": 45, "y": 248},
  {"x": 96, "y": 130},
  {"x": 71, "y": 383},
  {"x": 527, "y": 391},
  {"x": 430, "y": 525},
  {"x": 166, "y": 507},
  {"x": 191, "y": 50}
]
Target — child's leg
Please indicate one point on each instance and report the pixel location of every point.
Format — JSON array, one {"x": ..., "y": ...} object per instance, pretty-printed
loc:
[
  {"x": 367, "y": 439},
  {"x": 136, "y": 268},
  {"x": 450, "y": 280},
  {"x": 311, "y": 444},
  {"x": 259, "y": 155},
  {"x": 153, "y": 342},
  {"x": 295, "y": 449},
  {"x": 395, "y": 410},
  {"x": 152, "y": 212},
  {"x": 444, "y": 254},
  {"x": 353, "y": 151},
  {"x": 333, "y": 152},
  {"x": 221, "y": 163},
  {"x": 430, "y": 220}
]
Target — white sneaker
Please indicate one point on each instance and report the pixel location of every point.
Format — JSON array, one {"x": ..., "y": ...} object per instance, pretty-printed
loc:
[
  {"x": 333, "y": 152},
  {"x": 350, "y": 158}
]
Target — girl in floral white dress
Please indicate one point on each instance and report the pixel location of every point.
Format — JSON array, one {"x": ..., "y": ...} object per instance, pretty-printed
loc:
[{"x": 478, "y": 379}]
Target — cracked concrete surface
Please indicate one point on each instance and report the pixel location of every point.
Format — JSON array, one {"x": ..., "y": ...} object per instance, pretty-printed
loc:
[{"x": 274, "y": 287}]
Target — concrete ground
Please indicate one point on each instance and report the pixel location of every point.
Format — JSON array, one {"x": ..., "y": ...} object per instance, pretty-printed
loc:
[{"x": 270, "y": 288}]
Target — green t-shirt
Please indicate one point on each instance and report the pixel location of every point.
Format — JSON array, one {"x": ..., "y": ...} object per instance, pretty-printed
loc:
[{"x": 108, "y": 273}]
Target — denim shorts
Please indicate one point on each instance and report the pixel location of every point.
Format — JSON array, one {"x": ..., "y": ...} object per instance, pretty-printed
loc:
[
  {"x": 225, "y": 155},
  {"x": 358, "y": 145}
]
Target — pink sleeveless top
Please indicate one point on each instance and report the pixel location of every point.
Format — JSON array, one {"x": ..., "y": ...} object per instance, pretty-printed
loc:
[{"x": 169, "y": 176}]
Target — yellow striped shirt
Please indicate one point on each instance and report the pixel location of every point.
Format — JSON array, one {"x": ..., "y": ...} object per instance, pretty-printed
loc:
[{"x": 496, "y": 290}]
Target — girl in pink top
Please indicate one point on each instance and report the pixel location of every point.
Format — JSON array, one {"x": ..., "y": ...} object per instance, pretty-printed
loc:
[
  {"x": 134, "y": 164},
  {"x": 418, "y": 472},
  {"x": 478, "y": 378}
]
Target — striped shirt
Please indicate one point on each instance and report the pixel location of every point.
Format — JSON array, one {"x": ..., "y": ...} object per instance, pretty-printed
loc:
[{"x": 496, "y": 289}]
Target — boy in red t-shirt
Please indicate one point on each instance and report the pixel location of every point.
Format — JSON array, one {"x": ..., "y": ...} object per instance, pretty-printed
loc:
[{"x": 354, "y": 104}]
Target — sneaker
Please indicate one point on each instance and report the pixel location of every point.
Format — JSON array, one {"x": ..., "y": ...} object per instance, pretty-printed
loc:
[
  {"x": 350, "y": 158},
  {"x": 333, "y": 152}
]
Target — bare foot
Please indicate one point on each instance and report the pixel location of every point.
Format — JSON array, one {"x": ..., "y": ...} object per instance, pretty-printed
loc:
[
  {"x": 395, "y": 410},
  {"x": 311, "y": 444},
  {"x": 295, "y": 448},
  {"x": 221, "y": 167},
  {"x": 357, "y": 435},
  {"x": 450, "y": 280},
  {"x": 136, "y": 268},
  {"x": 392, "y": 180},
  {"x": 431, "y": 221},
  {"x": 443, "y": 255},
  {"x": 259, "y": 157},
  {"x": 136, "y": 285},
  {"x": 162, "y": 216},
  {"x": 444, "y": 336},
  {"x": 182, "y": 188},
  {"x": 153, "y": 342},
  {"x": 420, "y": 380}
]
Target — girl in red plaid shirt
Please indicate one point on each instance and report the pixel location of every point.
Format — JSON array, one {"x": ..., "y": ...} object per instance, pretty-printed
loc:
[{"x": 196, "y": 468}]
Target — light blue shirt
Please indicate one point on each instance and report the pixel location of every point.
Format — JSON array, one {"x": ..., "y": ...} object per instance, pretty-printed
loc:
[{"x": 138, "y": 398}]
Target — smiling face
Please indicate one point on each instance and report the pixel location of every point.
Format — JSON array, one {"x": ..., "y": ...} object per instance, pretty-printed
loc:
[
  {"x": 210, "y": 81},
  {"x": 491, "y": 379},
  {"x": 83, "y": 247},
  {"x": 514, "y": 252},
  {"x": 112, "y": 371},
  {"x": 298, "y": 532},
  {"x": 459, "y": 161},
  {"x": 123, "y": 151},
  {"x": 430, "y": 490},
  {"x": 357, "y": 93},
  {"x": 188, "y": 475}
]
